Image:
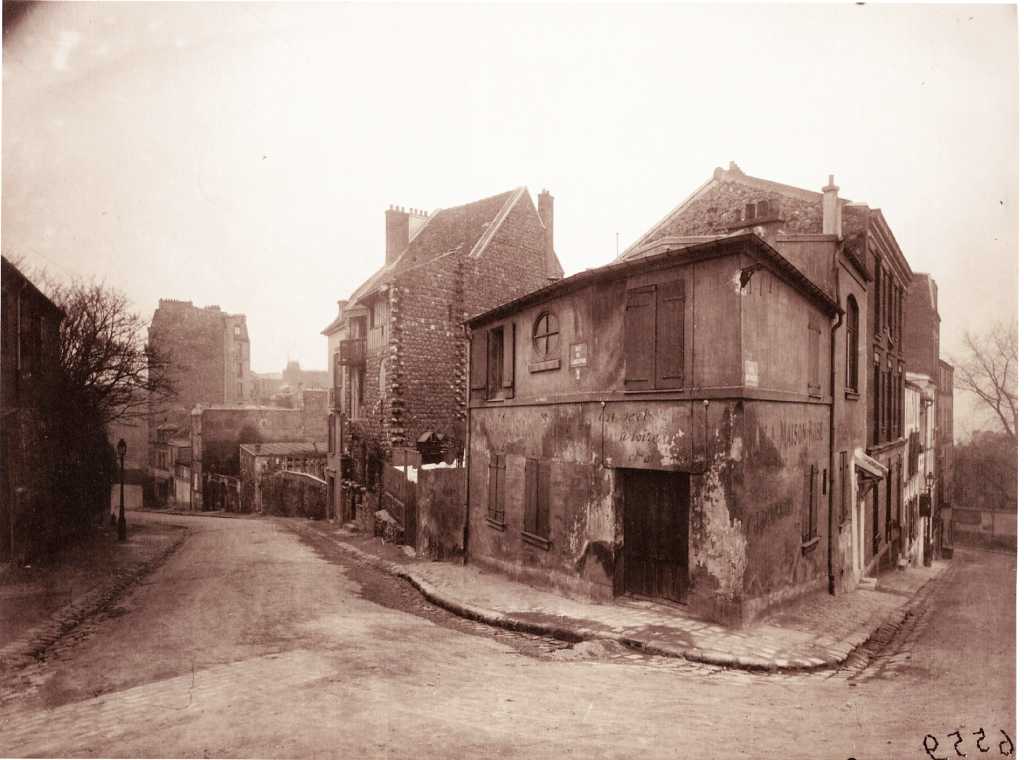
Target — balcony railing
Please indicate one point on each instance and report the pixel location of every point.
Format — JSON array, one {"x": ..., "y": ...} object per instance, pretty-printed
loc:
[{"x": 352, "y": 352}]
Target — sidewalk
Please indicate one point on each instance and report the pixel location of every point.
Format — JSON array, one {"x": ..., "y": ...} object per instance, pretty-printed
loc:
[
  {"x": 42, "y": 602},
  {"x": 813, "y": 632}
]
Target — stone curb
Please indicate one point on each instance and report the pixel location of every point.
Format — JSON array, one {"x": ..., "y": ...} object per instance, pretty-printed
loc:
[
  {"x": 576, "y": 634},
  {"x": 32, "y": 645}
]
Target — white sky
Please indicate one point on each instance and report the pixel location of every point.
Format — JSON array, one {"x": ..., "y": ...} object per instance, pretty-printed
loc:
[{"x": 243, "y": 155}]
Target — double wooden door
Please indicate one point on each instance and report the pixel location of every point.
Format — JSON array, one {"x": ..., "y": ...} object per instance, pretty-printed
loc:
[{"x": 656, "y": 534}]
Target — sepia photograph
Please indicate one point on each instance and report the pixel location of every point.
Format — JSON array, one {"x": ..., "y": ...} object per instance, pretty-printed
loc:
[{"x": 501, "y": 380}]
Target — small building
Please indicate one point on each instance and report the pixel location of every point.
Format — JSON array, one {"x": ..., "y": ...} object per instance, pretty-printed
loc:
[
  {"x": 662, "y": 426},
  {"x": 258, "y": 461}
]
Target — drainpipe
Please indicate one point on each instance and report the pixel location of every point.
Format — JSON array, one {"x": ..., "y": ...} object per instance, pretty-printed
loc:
[
  {"x": 469, "y": 438},
  {"x": 832, "y": 429}
]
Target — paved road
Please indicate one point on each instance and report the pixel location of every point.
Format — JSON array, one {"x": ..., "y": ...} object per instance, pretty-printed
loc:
[{"x": 249, "y": 642}]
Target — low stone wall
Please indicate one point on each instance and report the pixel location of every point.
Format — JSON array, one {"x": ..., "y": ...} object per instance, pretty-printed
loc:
[
  {"x": 295, "y": 494},
  {"x": 985, "y": 527},
  {"x": 440, "y": 512}
]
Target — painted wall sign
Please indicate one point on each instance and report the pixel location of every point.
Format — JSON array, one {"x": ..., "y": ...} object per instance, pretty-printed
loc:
[{"x": 579, "y": 355}]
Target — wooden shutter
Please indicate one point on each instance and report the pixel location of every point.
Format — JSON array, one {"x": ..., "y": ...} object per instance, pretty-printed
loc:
[
  {"x": 669, "y": 335},
  {"x": 639, "y": 338},
  {"x": 478, "y": 360},
  {"x": 530, "y": 500},
  {"x": 813, "y": 358},
  {"x": 500, "y": 487},
  {"x": 508, "y": 362},
  {"x": 492, "y": 484},
  {"x": 812, "y": 517},
  {"x": 543, "y": 498}
]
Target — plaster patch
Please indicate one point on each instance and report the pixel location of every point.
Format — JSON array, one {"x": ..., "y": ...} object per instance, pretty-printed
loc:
[{"x": 723, "y": 551}]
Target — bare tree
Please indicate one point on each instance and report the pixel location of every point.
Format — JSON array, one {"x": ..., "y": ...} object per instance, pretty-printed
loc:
[
  {"x": 107, "y": 368},
  {"x": 989, "y": 373}
]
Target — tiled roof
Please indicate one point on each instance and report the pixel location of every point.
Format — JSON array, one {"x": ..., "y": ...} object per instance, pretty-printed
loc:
[
  {"x": 467, "y": 228},
  {"x": 286, "y": 449}
]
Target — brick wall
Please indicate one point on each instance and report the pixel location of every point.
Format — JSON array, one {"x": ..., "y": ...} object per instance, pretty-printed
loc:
[{"x": 921, "y": 329}]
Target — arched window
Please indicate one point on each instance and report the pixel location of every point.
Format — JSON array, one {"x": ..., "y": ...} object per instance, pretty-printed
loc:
[
  {"x": 545, "y": 335},
  {"x": 852, "y": 343}
]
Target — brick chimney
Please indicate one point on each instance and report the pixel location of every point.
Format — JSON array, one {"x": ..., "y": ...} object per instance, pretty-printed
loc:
[
  {"x": 546, "y": 209},
  {"x": 397, "y": 232},
  {"x": 831, "y": 212}
]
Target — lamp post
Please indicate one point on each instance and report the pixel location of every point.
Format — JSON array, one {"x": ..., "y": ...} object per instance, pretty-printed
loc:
[
  {"x": 122, "y": 526},
  {"x": 930, "y": 481}
]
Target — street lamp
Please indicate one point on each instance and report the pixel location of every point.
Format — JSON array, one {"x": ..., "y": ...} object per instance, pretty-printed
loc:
[
  {"x": 122, "y": 526},
  {"x": 929, "y": 481}
]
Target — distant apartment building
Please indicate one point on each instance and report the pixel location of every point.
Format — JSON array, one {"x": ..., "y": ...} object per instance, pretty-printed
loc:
[
  {"x": 398, "y": 348},
  {"x": 28, "y": 375},
  {"x": 207, "y": 351},
  {"x": 285, "y": 388}
]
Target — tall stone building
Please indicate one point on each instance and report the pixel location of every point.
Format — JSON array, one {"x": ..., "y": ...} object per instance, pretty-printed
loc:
[
  {"x": 208, "y": 354},
  {"x": 399, "y": 371}
]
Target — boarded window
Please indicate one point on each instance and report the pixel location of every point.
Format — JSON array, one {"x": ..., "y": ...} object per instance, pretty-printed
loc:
[
  {"x": 653, "y": 335},
  {"x": 536, "y": 520},
  {"x": 814, "y": 359},
  {"x": 496, "y": 489}
]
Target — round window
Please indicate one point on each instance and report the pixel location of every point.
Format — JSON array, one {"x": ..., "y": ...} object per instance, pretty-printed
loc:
[{"x": 545, "y": 334}]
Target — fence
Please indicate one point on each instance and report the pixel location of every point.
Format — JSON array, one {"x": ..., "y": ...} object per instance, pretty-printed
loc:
[{"x": 429, "y": 508}]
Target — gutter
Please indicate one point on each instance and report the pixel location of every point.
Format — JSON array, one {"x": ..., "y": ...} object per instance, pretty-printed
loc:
[{"x": 832, "y": 430}]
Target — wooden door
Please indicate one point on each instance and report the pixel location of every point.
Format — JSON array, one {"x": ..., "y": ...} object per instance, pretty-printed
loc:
[{"x": 657, "y": 521}]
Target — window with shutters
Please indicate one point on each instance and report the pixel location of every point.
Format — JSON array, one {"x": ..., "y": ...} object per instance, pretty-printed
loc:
[
  {"x": 813, "y": 359},
  {"x": 496, "y": 490},
  {"x": 810, "y": 526},
  {"x": 492, "y": 362},
  {"x": 653, "y": 336},
  {"x": 536, "y": 503}
]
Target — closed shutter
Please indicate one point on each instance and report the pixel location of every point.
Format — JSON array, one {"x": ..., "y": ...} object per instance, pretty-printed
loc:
[
  {"x": 530, "y": 501},
  {"x": 543, "y": 499},
  {"x": 669, "y": 335},
  {"x": 478, "y": 360},
  {"x": 813, "y": 359},
  {"x": 639, "y": 338},
  {"x": 500, "y": 488},
  {"x": 813, "y": 516},
  {"x": 508, "y": 365}
]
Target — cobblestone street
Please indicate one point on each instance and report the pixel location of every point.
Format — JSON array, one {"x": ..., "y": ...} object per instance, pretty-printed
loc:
[{"x": 214, "y": 653}]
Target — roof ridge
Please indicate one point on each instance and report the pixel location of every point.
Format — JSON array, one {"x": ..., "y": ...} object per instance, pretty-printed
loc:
[{"x": 497, "y": 221}]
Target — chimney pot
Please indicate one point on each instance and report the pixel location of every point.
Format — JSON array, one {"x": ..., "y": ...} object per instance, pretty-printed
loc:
[{"x": 831, "y": 211}]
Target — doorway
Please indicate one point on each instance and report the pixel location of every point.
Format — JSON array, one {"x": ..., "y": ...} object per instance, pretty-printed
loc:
[{"x": 656, "y": 526}]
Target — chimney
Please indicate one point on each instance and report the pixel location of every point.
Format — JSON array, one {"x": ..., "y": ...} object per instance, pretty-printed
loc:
[
  {"x": 342, "y": 303},
  {"x": 397, "y": 232},
  {"x": 831, "y": 212},
  {"x": 546, "y": 209}
]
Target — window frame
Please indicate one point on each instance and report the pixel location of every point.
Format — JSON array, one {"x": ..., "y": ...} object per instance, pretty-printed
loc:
[
  {"x": 548, "y": 317},
  {"x": 852, "y": 344}
]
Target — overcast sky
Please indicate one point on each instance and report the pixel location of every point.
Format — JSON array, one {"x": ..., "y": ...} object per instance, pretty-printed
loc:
[{"x": 243, "y": 154}]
